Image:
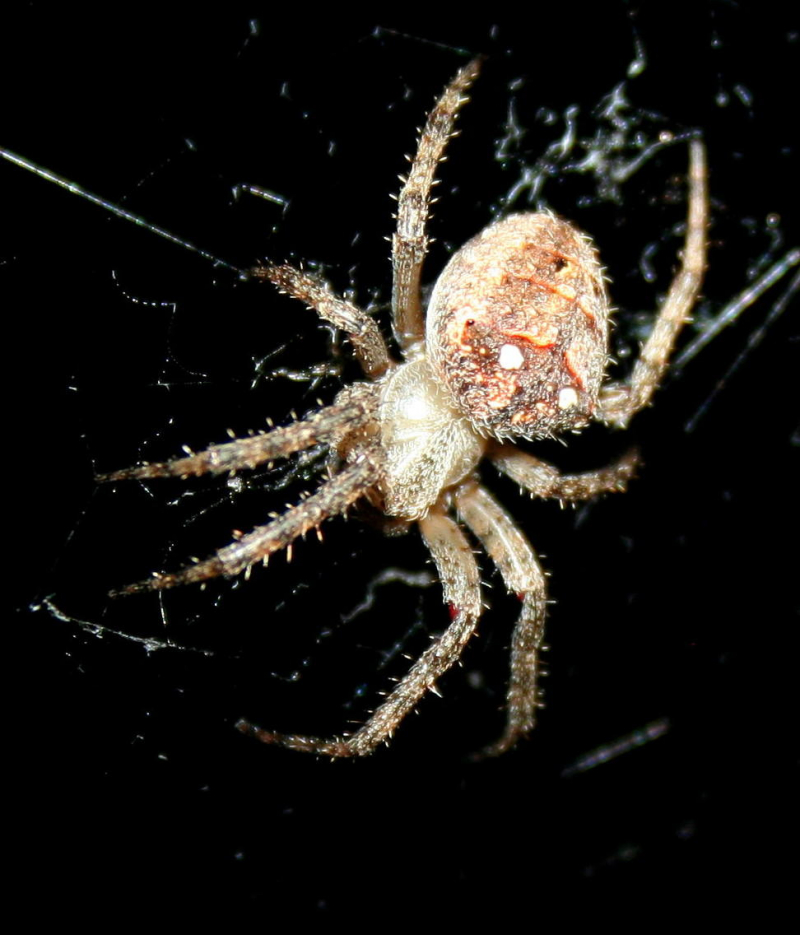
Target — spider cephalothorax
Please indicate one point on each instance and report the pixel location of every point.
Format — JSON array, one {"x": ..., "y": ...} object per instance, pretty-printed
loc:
[{"x": 515, "y": 347}]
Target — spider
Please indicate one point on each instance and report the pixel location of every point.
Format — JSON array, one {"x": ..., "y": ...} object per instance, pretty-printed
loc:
[{"x": 513, "y": 345}]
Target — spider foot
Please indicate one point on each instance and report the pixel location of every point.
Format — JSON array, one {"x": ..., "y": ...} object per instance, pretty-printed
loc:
[
  {"x": 502, "y": 745},
  {"x": 192, "y": 574},
  {"x": 334, "y": 747}
]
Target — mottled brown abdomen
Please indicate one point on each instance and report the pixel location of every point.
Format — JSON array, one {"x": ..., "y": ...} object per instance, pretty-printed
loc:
[{"x": 518, "y": 327}]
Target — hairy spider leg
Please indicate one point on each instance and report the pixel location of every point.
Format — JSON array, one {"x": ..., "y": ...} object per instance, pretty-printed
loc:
[
  {"x": 333, "y": 497},
  {"x": 542, "y": 479},
  {"x": 619, "y": 402},
  {"x": 458, "y": 572},
  {"x": 364, "y": 334},
  {"x": 248, "y": 453},
  {"x": 349, "y": 426},
  {"x": 325, "y": 426},
  {"x": 522, "y": 574},
  {"x": 410, "y": 242},
  {"x": 520, "y": 570}
]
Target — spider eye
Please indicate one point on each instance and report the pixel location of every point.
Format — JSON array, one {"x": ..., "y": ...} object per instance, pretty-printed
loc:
[{"x": 518, "y": 327}]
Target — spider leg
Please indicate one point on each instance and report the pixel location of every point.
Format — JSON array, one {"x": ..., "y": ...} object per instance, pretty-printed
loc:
[
  {"x": 458, "y": 571},
  {"x": 544, "y": 480},
  {"x": 332, "y": 497},
  {"x": 247, "y": 453},
  {"x": 364, "y": 334},
  {"x": 520, "y": 569},
  {"x": 619, "y": 402},
  {"x": 410, "y": 242}
]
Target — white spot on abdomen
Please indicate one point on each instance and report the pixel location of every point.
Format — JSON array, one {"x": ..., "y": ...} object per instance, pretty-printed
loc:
[
  {"x": 510, "y": 357},
  {"x": 567, "y": 398}
]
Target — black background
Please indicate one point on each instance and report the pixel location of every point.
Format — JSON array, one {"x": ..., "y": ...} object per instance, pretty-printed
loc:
[{"x": 673, "y": 604}]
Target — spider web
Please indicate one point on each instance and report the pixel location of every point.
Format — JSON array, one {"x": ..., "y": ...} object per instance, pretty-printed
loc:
[{"x": 658, "y": 732}]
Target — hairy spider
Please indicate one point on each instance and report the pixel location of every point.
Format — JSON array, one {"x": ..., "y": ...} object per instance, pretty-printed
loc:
[{"x": 514, "y": 344}]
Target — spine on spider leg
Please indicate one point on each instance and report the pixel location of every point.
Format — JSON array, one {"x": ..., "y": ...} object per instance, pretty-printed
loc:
[
  {"x": 621, "y": 401},
  {"x": 410, "y": 242},
  {"x": 332, "y": 498},
  {"x": 362, "y": 331},
  {"x": 248, "y": 453}
]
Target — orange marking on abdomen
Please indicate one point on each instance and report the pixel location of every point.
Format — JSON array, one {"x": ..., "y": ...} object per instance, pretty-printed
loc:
[
  {"x": 565, "y": 292},
  {"x": 548, "y": 339},
  {"x": 571, "y": 367}
]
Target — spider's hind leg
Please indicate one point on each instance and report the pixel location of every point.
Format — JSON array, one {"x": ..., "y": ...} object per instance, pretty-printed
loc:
[
  {"x": 410, "y": 242},
  {"x": 619, "y": 402}
]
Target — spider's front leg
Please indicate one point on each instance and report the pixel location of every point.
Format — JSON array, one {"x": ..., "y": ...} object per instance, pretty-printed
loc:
[
  {"x": 350, "y": 417},
  {"x": 520, "y": 569},
  {"x": 332, "y": 498},
  {"x": 619, "y": 402},
  {"x": 460, "y": 579}
]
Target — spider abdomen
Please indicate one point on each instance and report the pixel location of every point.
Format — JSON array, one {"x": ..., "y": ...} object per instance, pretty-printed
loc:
[{"x": 518, "y": 327}]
